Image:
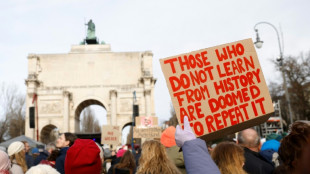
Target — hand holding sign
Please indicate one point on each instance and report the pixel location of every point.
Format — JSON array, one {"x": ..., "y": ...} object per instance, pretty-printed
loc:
[{"x": 184, "y": 135}]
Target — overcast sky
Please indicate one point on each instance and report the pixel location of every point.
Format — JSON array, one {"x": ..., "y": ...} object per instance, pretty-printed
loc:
[{"x": 166, "y": 27}]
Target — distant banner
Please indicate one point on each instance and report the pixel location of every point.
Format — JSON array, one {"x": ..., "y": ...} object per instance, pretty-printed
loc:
[
  {"x": 152, "y": 132},
  {"x": 221, "y": 89}
]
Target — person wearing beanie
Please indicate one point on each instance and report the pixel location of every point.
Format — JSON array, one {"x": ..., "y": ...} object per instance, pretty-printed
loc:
[
  {"x": 42, "y": 169},
  {"x": 5, "y": 163},
  {"x": 64, "y": 141},
  {"x": 168, "y": 140},
  {"x": 83, "y": 157},
  {"x": 16, "y": 152}
]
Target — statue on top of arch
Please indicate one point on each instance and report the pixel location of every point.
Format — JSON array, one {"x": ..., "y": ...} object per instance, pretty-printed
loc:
[{"x": 91, "y": 30}]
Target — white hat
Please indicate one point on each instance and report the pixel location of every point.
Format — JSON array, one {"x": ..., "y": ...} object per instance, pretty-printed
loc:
[
  {"x": 15, "y": 147},
  {"x": 42, "y": 169}
]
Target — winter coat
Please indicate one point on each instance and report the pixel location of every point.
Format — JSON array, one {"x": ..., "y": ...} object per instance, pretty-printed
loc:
[
  {"x": 255, "y": 163},
  {"x": 43, "y": 156},
  {"x": 60, "y": 160},
  {"x": 29, "y": 160},
  {"x": 197, "y": 158},
  {"x": 177, "y": 158}
]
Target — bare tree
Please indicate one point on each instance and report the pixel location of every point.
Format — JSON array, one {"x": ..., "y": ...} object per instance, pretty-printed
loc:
[
  {"x": 90, "y": 123},
  {"x": 297, "y": 71},
  {"x": 173, "y": 121},
  {"x": 12, "y": 114}
]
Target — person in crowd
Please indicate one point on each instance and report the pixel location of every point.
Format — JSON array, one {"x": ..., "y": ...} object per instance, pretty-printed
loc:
[
  {"x": 294, "y": 150},
  {"x": 44, "y": 153},
  {"x": 35, "y": 153},
  {"x": 83, "y": 157},
  {"x": 137, "y": 156},
  {"x": 154, "y": 159},
  {"x": 101, "y": 154},
  {"x": 16, "y": 152},
  {"x": 229, "y": 157},
  {"x": 29, "y": 159},
  {"x": 51, "y": 159},
  {"x": 196, "y": 156},
  {"x": 5, "y": 163},
  {"x": 254, "y": 162},
  {"x": 119, "y": 155},
  {"x": 42, "y": 169},
  {"x": 126, "y": 165},
  {"x": 269, "y": 151},
  {"x": 64, "y": 141},
  {"x": 168, "y": 140}
]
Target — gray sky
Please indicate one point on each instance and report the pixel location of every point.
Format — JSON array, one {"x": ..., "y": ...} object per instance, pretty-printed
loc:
[{"x": 166, "y": 27}]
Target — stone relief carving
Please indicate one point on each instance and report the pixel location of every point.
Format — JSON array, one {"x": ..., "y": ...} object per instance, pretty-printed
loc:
[
  {"x": 126, "y": 105},
  {"x": 51, "y": 107}
]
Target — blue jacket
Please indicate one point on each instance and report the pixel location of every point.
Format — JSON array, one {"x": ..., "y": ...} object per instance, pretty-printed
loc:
[
  {"x": 43, "y": 156},
  {"x": 60, "y": 160},
  {"x": 197, "y": 158},
  {"x": 29, "y": 160}
]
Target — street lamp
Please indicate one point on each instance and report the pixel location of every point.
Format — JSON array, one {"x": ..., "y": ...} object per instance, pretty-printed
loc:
[{"x": 258, "y": 43}]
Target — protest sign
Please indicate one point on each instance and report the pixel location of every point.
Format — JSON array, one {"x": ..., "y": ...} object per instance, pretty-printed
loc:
[
  {"x": 221, "y": 89},
  {"x": 110, "y": 135},
  {"x": 145, "y": 122},
  {"x": 151, "y": 132}
]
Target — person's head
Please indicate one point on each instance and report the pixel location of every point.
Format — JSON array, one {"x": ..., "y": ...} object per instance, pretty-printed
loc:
[
  {"x": 35, "y": 151},
  {"x": 154, "y": 159},
  {"x": 53, "y": 155},
  {"x": 249, "y": 138},
  {"x": 167, "y": 137},
  {"x": 16, "y": 151},
  {"x": 65, "y": 140},
  {"x": 127, "y": 162},
  {"x": 50, "y": 147},
  {"x": 5, "y": 163},
  {"x": 229, "y": 158},
  {"x": 83, "y": 157},
  {"x": 27, "y": 147},
  {"x": 42, "y": 169},
  {"x": 295, "y": 149}
]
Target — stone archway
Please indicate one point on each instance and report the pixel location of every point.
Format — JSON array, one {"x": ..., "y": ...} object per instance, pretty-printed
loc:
[
  {"x": 49, "y": 133},
  {"x": 60, "y": 85},
  {"x": 81, "y": 107}
]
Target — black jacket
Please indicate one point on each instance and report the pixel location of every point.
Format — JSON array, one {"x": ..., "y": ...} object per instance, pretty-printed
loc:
[{"x": 255, "y": 163}]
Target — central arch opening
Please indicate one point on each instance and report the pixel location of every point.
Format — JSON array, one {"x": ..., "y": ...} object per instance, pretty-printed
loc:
[{"x": 91, "y": 115}]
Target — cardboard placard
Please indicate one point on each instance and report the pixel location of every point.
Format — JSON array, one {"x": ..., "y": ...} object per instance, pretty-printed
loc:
[
  {"x": 221, "y": 89},
  {"x": 152, "y": 132},
  {"x": 144, "y": 122},
  {"x": 110, "y": 135}
]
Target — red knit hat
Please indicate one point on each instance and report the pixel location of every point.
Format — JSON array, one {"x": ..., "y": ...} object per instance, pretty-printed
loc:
[
  {"x": 83, "y": 157},
  {"x": 167, "y": 137}
]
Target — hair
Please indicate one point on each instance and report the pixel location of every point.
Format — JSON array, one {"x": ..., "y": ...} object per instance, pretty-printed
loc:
[
  {"x": 127, "y": 162},
  {"x": 292, "y": 146},
  {"x": 53, "y": 155},
  {"x": 154, "y": 159},
  {"x": 50, "y": 146},
  {"x": 70, "y": 137},
  {"x": 20, "y": 160},
  {"x": 249, "y": 139},
  {"x": 229, "y": 157}
]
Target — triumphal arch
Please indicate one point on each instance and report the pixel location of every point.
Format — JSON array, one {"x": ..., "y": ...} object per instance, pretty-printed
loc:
[{"x": 60, "y": 86}]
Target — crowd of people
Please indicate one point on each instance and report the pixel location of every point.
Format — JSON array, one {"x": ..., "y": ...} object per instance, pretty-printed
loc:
[{"x": 177, "y": 152}]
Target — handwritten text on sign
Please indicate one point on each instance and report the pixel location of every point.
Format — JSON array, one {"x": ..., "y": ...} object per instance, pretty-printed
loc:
[
  {"x": 217, "y": 87},
  {"x": 110, "y": 135}
]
